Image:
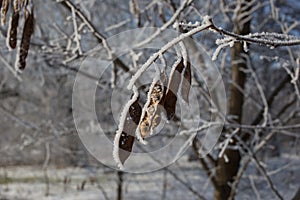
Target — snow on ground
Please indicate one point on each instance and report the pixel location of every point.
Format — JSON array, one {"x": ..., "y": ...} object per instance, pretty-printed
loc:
[{"x": 23, "y": 182}]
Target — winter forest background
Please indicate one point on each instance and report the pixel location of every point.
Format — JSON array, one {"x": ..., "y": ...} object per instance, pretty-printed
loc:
[{"x": 257, "y": 155}]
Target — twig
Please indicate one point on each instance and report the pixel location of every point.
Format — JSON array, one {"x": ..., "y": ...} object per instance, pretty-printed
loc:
[
  {"x": 261, "y": 168},
  {"x": 18, "y": 120},
  {"x": 45, "y": 166},
  {"x": 101, "y": 38},
  {"x": 164, "y": 187},
  {"x": 77, "y": 35},
  {"x": 245, "y": 126},
  {"x": 260, "y": 89},
  {"x": 119, "y": 185},
  {"x": 267, "y": 39},
  {"x": 11, "y": 69},
  {"x": 102, "y": 191},
  {"x": 242, "y": 169},
  {"x": 254, "y": 188},
  {"x": 238, "y": 178},
  {"x": 175, "y": 176},
  {"x": 115, "y": 26},
  {"x": 183, "y": 5},
  {"x": 264, "y": 172},
  {"x": 70, "y": 5},
  {"x": 204, "y": 164},
  {"x": 229, "y": 139},
  {"x": 271, "y": 98},
  {"x": 185, "y": 184},
  {"x": 205, "y": 25},
  {"x": 254, "y": 38},
  {"x": 294, "y": 78}
]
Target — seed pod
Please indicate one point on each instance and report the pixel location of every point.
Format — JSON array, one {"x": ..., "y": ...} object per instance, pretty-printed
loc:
[
  {"x": 25, "y": 42},
  {"x": 16, "y": 5},
  {"x": 145, "y": 127},
  {"x": 4, "y": 9},
  {"x": 173, "y": 87},
  {"x": 157, "y": 93},
  {"x": 13, "y": 30},
  {"x": 22, "y": 3},
  {"x": 134, "y": 9},
  {"x": 186, "y": 82},
  {"x": 152, "y": 117},
  {"x": 127, "y": 136},
  {"x": 1, "y": 4}
]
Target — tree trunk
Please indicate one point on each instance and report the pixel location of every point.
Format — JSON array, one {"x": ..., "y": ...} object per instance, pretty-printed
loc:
[{"x": 228, "y": 165}]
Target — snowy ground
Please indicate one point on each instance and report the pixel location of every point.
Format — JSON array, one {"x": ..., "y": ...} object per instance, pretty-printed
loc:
[{"x": 90, "y": 184}]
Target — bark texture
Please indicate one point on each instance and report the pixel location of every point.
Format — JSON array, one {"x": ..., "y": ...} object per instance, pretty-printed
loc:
[{"x": 228, "y": 164}]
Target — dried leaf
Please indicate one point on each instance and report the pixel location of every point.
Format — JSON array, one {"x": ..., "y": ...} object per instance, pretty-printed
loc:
[
  {"x": 13, "y": 30},
  {"x": 4, "y": 10},
  {"x": 127, "y": 137},
  {"x": 25, "y": 42},
  {"x": 186, "y": 82},
  {"x": 173, "y": 87}
]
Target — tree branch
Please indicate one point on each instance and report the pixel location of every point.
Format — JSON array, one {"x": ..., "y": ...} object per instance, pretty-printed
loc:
[{"x": 101, "y": 38}]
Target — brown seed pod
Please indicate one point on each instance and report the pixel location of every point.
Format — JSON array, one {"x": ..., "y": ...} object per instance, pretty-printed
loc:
[
  {"x": 134, "y": 9},
  {"x": 16, "y": 5},
  {"x": 145, "y": 127},
  {"x": 25, "y": 42},
  {"x": 186, "y": 82},
  {"x": 4, "y": 9},
  {"x": 13, "y": 30},
  {"x": 1, "y": 4},
  {"x": 127, "y": 136},
  {"x": 23, "y": 2},
  {"x": 157, "y": 93},
  {"x": 173, "y": 87},
  {"x": 152, "y": 116}
]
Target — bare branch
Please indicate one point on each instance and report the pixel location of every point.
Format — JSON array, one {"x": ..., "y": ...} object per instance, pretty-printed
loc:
[{"x": 183, "y": 5}]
